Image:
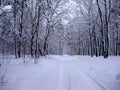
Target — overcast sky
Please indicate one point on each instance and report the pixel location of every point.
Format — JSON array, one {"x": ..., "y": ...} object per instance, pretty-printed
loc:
[{"x": 71, "y": 6}]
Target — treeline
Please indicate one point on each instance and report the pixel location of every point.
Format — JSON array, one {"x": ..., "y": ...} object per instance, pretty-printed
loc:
[
  {"x": 37, "y": 28},
  {"x": 30, "y": 26},
  {"x": 95, "y": 30}
]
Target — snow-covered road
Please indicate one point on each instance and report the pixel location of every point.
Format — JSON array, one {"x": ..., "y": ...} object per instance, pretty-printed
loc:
[{"x": 65, "y": 73}]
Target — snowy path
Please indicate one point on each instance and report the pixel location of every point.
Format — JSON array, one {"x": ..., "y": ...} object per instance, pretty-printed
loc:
[
  {"x": 81, "y": 79},
  {"x": 58, "y": 73}
]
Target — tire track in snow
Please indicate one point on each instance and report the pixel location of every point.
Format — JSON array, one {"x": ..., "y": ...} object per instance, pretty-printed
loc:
[
  {"x": 77, "y": 79},
  {"x": 52, "y": 77},
  {"x": 69, "y": 78},
  {"x": 90, "y": 76},
  {"x": 63, "y": 79}
]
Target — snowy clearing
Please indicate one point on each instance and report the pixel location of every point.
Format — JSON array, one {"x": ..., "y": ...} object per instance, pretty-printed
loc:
[{"x": 63, "y": 73}]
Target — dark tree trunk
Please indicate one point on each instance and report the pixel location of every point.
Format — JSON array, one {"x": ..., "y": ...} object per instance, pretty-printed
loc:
[{"x": 106, "y": 31}]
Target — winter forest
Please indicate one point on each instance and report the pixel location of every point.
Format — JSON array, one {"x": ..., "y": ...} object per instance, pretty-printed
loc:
[
  {"x": 67, "y": 39},
  {"x": 56, "y": 27}
]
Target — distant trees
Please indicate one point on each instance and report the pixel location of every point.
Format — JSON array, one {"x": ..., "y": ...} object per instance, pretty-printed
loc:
[
  {"x": 54, "y": 26},
  {"x": 37, "y": 27},
  {"x": 94, "y": 24},
  {"x": 115, "y": 28}
]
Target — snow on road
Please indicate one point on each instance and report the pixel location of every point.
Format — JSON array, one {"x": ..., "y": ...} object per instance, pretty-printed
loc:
[{"x": 64, "y": 73}]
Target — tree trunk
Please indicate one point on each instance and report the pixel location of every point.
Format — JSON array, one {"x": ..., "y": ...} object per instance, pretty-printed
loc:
[
  {"x": 106, "y": 32},
  {"x": 101, "y": 30}
]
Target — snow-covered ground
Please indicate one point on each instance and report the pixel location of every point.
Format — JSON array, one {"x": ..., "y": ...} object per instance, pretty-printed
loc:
[
  {"x": 62, "y": 73},
  {"x": 7, "y": 8}
]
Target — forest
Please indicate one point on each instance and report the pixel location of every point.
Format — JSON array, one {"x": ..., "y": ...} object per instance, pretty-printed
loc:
[
  {"x": 59, "y": 44},
  {"x": 57, "y": 27}
]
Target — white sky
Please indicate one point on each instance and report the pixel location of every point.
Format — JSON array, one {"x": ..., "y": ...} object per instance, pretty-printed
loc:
[{"x": 71, "y": 6}]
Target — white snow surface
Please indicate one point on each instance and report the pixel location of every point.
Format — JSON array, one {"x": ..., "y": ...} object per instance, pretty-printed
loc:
[
  {"x": 7, "y": 8},
  {"x": 63, "y": 73}
]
